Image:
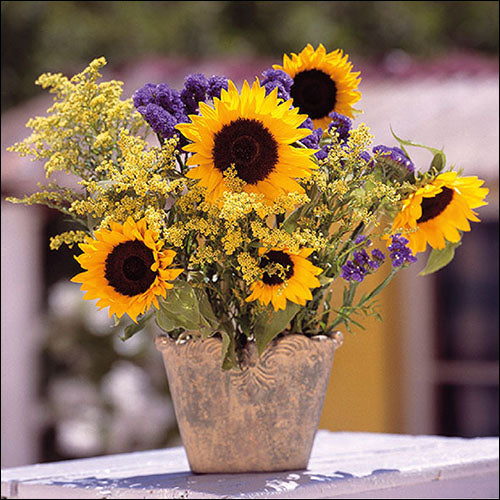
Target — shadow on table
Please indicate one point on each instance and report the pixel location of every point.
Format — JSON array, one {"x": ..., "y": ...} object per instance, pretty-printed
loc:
[{"x": 225, "y": 485}]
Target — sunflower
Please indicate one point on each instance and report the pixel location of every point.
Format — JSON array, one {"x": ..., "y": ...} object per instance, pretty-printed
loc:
[
  {"x": 440, "y": 209},
  {"x": 322, "y": 83},
  {"x": 125, "y": 268},
  {"x": 252, "y": 133},
  {"x": 286, "y": 275}
]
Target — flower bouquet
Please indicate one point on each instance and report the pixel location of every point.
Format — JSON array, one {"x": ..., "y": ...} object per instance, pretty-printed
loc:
[{"x": 254, "y": 218}]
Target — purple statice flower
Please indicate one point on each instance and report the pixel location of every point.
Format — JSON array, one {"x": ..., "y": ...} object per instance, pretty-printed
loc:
[
  {"x": 340, "y": 124},
  {"x": 352, "y": 271},
  {"x": 361, "y": 258},
  {"x": 322, "y": 153},
  {"x": 161, "y": 107},
  {"x": 215, "y": 85},
  {"x": 282, "y": 93},
  {"x": 161, "y": 121},
  {"x": 361, "y": 264},
  {"x": 312, "y": 140},
  {"x": 378, "y": 257},
  {"x": 145, "y": 95},
  {"x": 307, "y": 123},
  {"x": 367, "y": 157},
  {"x": 399, "y": 251},
  {"x": 395, "y": 156},
  {"x": 275, "y": 78},
  {"x": 160, "y": 94},
  {"x": 194, "y": 92},
  {"x": 278, "y": 76},
  {"x": 169, "y": 99}
]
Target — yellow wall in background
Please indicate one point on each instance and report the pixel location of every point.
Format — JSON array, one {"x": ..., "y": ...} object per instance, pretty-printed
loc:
[{"x": 364, "y": 388}]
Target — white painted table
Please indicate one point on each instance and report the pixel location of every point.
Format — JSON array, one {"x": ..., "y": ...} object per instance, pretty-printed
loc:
[{"x": 342, "y": 465}]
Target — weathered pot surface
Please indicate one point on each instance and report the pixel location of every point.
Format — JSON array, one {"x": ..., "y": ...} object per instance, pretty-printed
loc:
[{"x": 262, "y": 418}]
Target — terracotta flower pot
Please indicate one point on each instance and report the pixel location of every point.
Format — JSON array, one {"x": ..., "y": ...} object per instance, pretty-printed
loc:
[{"x": 262, "y": 418}]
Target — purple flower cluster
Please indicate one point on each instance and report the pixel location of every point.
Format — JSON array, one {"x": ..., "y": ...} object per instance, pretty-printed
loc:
[
  {"x": 367, "y": 157},
  {"x": 216, "y": 84},
  {"x": 399, "y": 251},
  {"x": 194, "y": 91},
  {"x": 163, "y": 107},
  {"x": 340, "y": 124},
  {"x": 312, "y": 140},
  {"x": 361, "y": 263},
  {"x": 394, "y": 156},
  {"x": 275, "y": 78},
  {"x": 322, "y": 153}
]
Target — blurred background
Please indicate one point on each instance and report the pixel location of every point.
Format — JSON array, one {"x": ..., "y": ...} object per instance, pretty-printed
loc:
[{"x": 71, "y": 388}]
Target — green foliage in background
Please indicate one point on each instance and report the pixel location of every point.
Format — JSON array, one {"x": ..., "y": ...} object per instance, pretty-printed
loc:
[{"x": 48, "y": 36}]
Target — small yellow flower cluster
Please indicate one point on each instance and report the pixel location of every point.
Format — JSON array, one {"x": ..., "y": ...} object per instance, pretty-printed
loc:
[
  {"x": 205, "y": 255},
  {"x": 248, "y": 266},
  {"x": 237, "y": 205},
  {"x": 361, "y": 215},
  {"x": 175, "y": 234},
  {"x": 83, "y": 124},
  {"x": 279, "y": 238},
  {"x": 68, "y": 238},
  {"x": 390, "y": 193},
  {"x": 155, "y": 218},
  {"x": 319, "y": 178},
  {"x": 233, "y": 239},
  {"x": 320, "y": 210},
  {"x": 192, "y": 201},
  {"x": 338, "y": 187},
  {"x": 283, "y": 204},
  {"x": 203, "y": 226},
  {"x": 360, "y": 139},
  {"x": 231, "y": 180},
  {"x": 103, "y": 140},
  {"x": 135, "y": 185},
  {"x": 53, "y": 196}
]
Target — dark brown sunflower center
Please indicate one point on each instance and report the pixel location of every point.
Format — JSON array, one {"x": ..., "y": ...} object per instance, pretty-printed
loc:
[
  {"x": 128, "y": 268},
  {"x": 432, "y": 207},
  {"x": 245, "y": 149},
  {"x": 314, "y": 92},
  {"x": 249, "y": 146},
  {"x": 276, "y": 257}
]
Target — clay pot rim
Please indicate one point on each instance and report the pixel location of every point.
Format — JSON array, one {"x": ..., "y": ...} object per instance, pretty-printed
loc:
[{"x": 337, "y": 337}]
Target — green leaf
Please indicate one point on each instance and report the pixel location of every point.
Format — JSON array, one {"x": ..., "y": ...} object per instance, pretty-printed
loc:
[
  {"x": 134, "y": 328},
  {"x": 440, "y": 258},
  {"x": 438, "y": 162},
  {"x": 272, "y": 323},
  {"x": 290, "y": 223},
  {"x": 207, "y": 316},
  {"x": 434, "y": 151},
  {"x": 228, "y": 351},
  {"x": 179, "y": 309}
]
